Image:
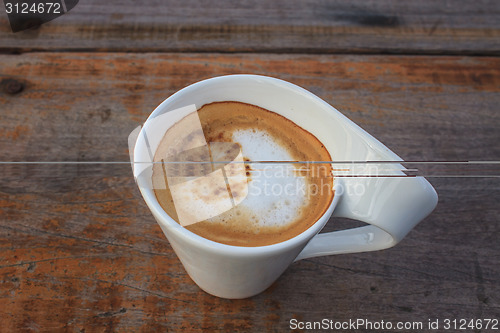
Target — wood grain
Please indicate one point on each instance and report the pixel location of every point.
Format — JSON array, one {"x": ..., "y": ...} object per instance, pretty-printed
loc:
[
  {"x": 407, "y": 102},
  {"x": 312, "y": 26},
  {"x": 79, "y": 250}
]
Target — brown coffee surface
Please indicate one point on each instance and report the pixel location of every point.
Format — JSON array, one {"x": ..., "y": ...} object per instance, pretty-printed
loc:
[{"x": 220, "y": 122}]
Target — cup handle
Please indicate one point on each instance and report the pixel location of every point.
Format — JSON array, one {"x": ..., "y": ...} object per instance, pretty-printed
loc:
[{"x": 391, "y": 206}]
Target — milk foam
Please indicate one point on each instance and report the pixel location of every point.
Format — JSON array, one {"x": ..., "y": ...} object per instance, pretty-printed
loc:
[
  {"x": 275, "y": 193},
  {"x": 244, "y": 203}
]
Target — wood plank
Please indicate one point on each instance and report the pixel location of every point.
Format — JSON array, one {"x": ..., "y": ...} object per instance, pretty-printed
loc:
[
  {"x": 313, "y": 26},
  {"x": 79, "y": 249},
  {"x": 407, "y": 102}
]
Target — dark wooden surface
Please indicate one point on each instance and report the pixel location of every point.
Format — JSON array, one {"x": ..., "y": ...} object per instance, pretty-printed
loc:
[
  {"x": 79, "y": 250},
  {"x": 340, "y": 26}
]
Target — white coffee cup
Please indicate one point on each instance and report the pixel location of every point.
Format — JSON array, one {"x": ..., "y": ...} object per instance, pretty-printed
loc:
[{"x": 390, "y": 203}]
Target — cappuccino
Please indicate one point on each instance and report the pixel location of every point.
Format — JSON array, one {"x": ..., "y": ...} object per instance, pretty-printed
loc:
[{"x": 238, "y": 174}]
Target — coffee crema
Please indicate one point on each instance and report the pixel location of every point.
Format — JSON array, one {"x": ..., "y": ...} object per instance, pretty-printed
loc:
[{"x": 245, "y": 203}]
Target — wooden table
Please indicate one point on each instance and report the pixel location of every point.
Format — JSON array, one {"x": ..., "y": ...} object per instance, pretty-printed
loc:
[{"x": 79, "y": 249}]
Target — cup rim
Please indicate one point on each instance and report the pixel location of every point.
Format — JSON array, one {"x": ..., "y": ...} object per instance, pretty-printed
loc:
[{"x": 208, "y": 245}]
